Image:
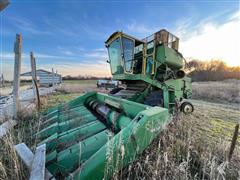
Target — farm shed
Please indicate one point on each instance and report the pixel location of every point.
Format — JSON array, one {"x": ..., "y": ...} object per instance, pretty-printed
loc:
[{"x": 45, "y": 78}]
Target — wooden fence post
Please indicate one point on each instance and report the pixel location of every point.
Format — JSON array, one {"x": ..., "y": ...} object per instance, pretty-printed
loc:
[
  {"x": 34, "y": 80},
  {"x": 56, "y": 77},
  {"x": 1, "y": 81},
  {"x": 53, "y": 78},
  {"x": 233, "y": 142},
  {"x": 17, "y": 69},
  {"x": 33, "y": 68}
]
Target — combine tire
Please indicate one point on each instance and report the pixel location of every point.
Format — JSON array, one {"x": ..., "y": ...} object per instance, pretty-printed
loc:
[{"x": 187, "y": 107}]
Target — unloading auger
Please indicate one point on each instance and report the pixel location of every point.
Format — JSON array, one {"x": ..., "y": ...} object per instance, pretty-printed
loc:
[{"x": 96, "y": 135}]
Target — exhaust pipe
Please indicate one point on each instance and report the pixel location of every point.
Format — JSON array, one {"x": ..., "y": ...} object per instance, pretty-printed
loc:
[{"x": 180, "y": 74}]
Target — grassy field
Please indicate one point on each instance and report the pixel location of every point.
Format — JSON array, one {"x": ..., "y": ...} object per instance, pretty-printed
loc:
[
  {"x": 57, "y": 98},
  {"x": 227, "y": 91},
  {"x": 77, "y": 86},
  {"x": 8, "y": 89},
  {"x": 67, "y": 85},
  {"x": 80, "y": 82},
  {"x": 191, "y": 147}
]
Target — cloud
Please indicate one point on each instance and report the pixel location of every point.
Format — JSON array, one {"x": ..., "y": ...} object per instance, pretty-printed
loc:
[
  {"x": 26, "y": 25},
  {"x": 10, "y": 56},
  {"x": 86, "y": 53},
  {"x": 215, "y": 42},
  {"x": 214, "y": 37},
  {"x": 47, "y": 56},
  {"x": 72, "y": 27},
  {"x": 140, "y": 29},
  {"x": 235, "y": 16},
  {"x": 6, "y": 55},
  {"x": 7, "y": 69},
  {"x": 98, "y": 68},
  {"x": 185, "y": 28},
  {"x": 67, "y": 52},
  {"x": 97, "y": 54}
]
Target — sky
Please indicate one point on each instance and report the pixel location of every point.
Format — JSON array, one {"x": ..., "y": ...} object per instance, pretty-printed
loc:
[{"x": 69, "y": 35}]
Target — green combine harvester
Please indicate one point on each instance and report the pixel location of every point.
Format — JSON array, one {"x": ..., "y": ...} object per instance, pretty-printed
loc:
[{"x": 96, "y": 135}]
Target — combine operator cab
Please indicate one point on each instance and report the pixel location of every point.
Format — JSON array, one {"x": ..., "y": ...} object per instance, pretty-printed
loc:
[
  {"x": 129, "y": 55},
  {"x": 122, "y": 54}
]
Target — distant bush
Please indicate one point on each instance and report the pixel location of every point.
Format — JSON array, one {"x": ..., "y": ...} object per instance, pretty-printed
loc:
[
  {"x": 214, "y": 70},
  {"x": 80, "y": 77}
]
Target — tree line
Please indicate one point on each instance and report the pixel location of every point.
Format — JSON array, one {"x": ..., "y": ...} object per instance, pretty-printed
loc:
[{"x": 215, "y": 70}]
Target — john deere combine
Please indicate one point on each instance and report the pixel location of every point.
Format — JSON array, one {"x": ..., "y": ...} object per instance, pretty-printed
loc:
[{"x": 96, "y": 135}]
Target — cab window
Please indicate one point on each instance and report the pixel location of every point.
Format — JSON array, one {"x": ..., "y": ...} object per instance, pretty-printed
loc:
[
  {"x": 114, "y": 51},
  {"x": 128, "y": 48},
  {"x": 149, "y": 65}
]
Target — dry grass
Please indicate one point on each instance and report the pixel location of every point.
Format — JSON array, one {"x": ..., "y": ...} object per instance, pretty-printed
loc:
[
  {"x": 11, "y": 167},
  {"x": 49, "y": 101},
  {"x": 67, "y": 88},
  {"x": 218, "y": 91},
  {"x": 4, "y": 91},
  {"x": 75, "y": 88},
  {"x": 183, "y": 152}
]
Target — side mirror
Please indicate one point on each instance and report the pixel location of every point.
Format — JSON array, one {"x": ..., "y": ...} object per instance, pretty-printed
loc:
[{"x": 108, "y": 61}]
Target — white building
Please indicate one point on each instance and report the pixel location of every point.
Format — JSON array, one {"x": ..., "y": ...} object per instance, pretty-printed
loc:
[{"x": 46, "y": 78}]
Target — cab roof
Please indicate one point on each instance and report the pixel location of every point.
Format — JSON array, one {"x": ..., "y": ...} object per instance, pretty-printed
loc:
[{"x": 119, "y": 33}]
